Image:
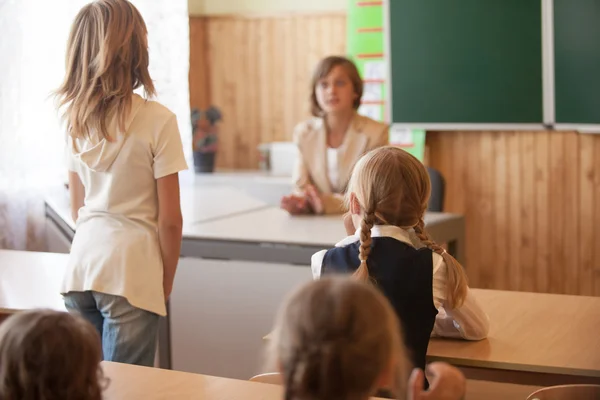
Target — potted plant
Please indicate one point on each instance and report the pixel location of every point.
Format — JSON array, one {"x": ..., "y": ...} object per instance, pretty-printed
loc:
[{"x": 205, "y": 131}]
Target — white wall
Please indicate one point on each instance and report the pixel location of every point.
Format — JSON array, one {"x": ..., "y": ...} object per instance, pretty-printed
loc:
[
  {"x": 216, "y": 7},
  {"x": 33, "y": 35}
]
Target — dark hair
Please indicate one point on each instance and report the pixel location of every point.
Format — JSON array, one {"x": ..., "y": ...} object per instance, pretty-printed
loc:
[
  {"x": 323, "y": 69},
  {"x": 49, "y": 355}
]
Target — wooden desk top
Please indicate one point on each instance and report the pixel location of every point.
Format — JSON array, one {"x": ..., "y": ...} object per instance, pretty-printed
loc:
[
  {"x": 31, "y": 280},
  {"x": 134, "y": 382},
  {"x": 533, "y": 332}
]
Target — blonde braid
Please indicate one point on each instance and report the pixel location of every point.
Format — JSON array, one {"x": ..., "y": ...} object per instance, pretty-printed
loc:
[
  {"x": 456, "y": 279},
  {"x": 362, "y": 273}
]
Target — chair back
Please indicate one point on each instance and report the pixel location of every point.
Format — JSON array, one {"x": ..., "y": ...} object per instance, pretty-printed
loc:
[
  {"x": 567, "y": 392},
  {"x": 438, "y": 188},
  {"x": 273, "y": 378}
]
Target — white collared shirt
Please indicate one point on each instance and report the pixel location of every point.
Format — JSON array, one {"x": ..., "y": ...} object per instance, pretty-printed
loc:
[
  {"x": 467, "y": 322},
  {"x": 333, "y": 169}
]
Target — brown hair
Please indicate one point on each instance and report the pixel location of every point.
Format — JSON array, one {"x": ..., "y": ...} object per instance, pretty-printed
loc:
[
  {"x": 49, "y": 355},
  {"x": 323, "y": 69},
  {"x": 107, "y": 58},
  {"x": 393, "y": 188},
  {"x": 334, "y": 338}
]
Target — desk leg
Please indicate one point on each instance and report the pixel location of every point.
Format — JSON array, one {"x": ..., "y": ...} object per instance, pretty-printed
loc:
[{"x": 164, "y": 341}]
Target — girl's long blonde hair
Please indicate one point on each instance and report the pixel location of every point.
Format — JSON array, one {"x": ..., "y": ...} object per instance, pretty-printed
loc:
[
  {"x": 107, "y": 59},
  {"x": 393, "y": 188},
  {"x": 334, "y": 338}
]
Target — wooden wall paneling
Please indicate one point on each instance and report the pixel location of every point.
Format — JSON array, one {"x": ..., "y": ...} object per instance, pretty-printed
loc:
[
  {"x": 596, "y": 272},
  {"x": 267, "y": 35},
  {"x": 557, "y": 213},
  {"x": 220, "y": 92},
  {"x": 253, "y": 133},
  {"x": 301, "y": 65},
  {"x": 288, "y": 90},
  {"x": 542, "y": 210},
  {"x": 540, "y": 206},
  {"x": 260, "y": 71},
  {"x": 570, "y": 263},
  {"x": 456, "y": 161},
  {"x": 473, "y": 194},
  {"x": 586, "y": 215},
  {"x": 486, "y": 204},
  {"x": 199, "y": 64},
  {"x": 500, "y": 235},
  {"x": 514, "y": 210},
  {"x": 243, "y": 94},
  {"x": 528, "y": 281}
]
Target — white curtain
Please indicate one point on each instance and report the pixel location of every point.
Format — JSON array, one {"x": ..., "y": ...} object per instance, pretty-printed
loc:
[{"x": 33, "y": 35}]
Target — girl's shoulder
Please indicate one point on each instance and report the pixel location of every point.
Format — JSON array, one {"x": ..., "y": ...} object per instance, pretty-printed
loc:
[{"x": 154, "y": 111}]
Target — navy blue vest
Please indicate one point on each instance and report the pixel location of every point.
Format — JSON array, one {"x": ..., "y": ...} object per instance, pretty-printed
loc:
[{"x": 405, "y": 276}]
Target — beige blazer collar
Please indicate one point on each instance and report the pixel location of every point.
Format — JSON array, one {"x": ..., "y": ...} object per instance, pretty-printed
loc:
[{"x": 354, "y": 144}]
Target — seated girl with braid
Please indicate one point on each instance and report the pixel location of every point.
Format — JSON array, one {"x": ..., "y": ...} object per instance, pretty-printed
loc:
[
  {"x": 339, "y": 338},
  {"x": 387, "y": 197}
]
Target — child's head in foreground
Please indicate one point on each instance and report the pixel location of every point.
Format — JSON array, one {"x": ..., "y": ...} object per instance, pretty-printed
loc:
[
  {"x": 338, "y": 338},
  {"x": 49, "y": 355}
]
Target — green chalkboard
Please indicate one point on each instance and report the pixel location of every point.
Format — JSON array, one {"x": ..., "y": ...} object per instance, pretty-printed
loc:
[
  {"x": 577, "y": 61},
  {"x": 466, "y": 61}
]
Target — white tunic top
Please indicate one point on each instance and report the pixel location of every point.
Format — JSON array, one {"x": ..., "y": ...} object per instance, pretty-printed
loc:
[
  {"x": 333, "y": 169},
  {"x": 116, "y": 249}
]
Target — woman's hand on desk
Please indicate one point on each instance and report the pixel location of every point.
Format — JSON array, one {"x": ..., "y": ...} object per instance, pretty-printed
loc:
[
  {"x": 314, "y": 199},
  {"x": 295, "y": 204},
  {"x": 309, "y": 202}
]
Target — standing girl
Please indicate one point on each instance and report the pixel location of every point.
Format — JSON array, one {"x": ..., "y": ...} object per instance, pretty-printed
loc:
[
  {"x": 387, "y": 198},
  {"x": 124, "y": 153},
  {"x": 330, "y": 143}
]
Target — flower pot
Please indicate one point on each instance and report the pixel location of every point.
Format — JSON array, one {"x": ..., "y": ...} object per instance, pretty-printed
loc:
[{"x": 204, "y": 162}]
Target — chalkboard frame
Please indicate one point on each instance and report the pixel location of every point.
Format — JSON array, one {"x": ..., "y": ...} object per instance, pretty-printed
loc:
[{"x": 547, "y": 83}]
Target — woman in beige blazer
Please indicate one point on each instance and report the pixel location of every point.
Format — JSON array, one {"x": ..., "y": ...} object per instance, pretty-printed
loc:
[{"x": 330, "y": 143}]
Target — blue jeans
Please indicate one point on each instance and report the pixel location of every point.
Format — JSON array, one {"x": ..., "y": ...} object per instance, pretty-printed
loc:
[{"x": 128, "y": 334}]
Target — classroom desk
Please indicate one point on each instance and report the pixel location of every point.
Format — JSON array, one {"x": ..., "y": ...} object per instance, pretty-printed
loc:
[
  {"x": 221, "y": 222},
  {"x": 262, "y": 185},
  {"x": 198, "y": 204},
  {"x": 220, "y": 309},
  {"x": 134, "y": 382},
  {"x": 534, "y": 338},
  {"x": 30, "y": 280},
  {"x": 257, "y": 240},
  {"x": 271, "y": 234}
]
